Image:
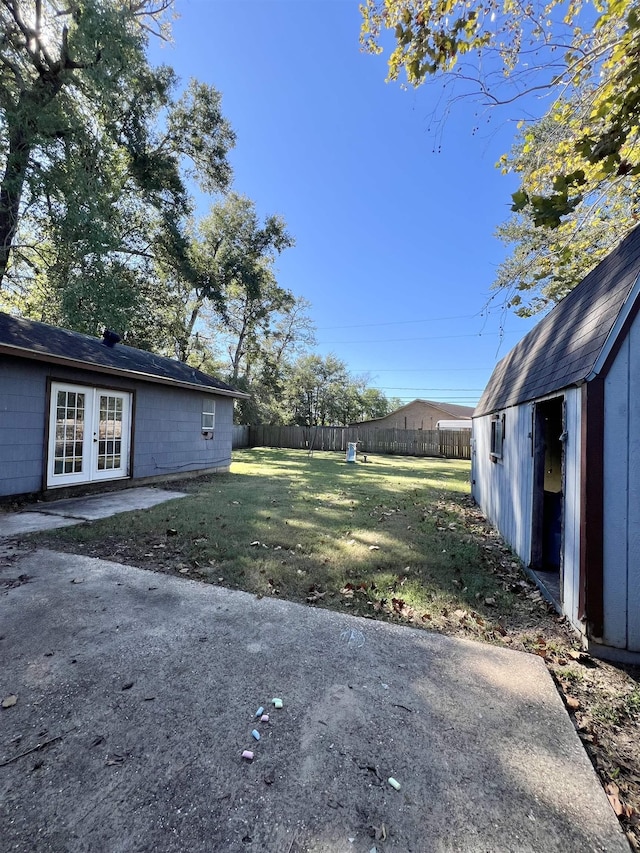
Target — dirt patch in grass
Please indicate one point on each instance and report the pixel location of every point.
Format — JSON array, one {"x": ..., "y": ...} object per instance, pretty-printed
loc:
[{"x": 396, "y": 539}]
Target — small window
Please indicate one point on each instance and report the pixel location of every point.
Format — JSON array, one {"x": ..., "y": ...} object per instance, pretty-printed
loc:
[
  {"x": 208, "y": 415},
  {"x": 497, "y": 436}
]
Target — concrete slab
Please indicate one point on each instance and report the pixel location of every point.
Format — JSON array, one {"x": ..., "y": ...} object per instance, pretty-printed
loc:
[
  {"x": 14, "y": 524},
  {"x": 144, "y": 688},
  {"x": 53, "y": 514}
]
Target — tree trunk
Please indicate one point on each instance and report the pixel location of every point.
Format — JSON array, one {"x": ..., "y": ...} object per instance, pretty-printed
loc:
[
  {"x": 11, "y": 192},
  {"x": 22, "y": 128}
]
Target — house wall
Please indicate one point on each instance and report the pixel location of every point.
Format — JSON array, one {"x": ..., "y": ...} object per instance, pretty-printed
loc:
[
  {"x": 22, "y": 426},
  {"x": 168, "y": 437},
  {"x": 621, "y": 499},
  {"x": 504, "y": 489},
  {"x": 416, "y": 415},
  {"x": 166, "y": 429}
]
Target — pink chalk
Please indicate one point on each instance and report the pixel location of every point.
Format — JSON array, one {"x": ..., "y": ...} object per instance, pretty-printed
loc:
[
  {"x": 264, "y": 718},
  {"x": 248, "y": 755}
]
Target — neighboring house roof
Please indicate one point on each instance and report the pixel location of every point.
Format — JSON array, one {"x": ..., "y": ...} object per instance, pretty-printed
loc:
[
  {"x": 452, "y": 409},
  {"x": 30, "y": 339},
  {"x": 567, "y": 346}
]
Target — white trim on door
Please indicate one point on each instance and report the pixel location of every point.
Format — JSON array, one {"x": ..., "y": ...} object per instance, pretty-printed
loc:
[{"x": 89, "y": 434}]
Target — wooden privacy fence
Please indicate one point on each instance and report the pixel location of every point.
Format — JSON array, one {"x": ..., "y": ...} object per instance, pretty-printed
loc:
[
  {"x": 240, "y": 436},
  {"x": 453, "y": 444}
]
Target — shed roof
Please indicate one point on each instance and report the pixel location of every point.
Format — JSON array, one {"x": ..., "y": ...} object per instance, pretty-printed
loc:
[
  {"x": 563, "y": 349},
  {"x": 30, "y": 339}
]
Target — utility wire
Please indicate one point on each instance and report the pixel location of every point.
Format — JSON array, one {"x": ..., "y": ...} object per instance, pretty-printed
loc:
[
  {"x": 403, "y": 322},
  {"x": 408, "y": 340}
]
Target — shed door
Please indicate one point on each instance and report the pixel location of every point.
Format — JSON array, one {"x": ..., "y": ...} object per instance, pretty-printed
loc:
[{"x": 89, "y": 434}]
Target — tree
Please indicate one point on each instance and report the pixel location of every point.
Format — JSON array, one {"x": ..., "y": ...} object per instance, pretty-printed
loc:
[
  {"x": 320, "y": 391},
  {"x": 92, "y": 143},
  {"x": 588, "y": 63},
  {"x": 374, "y": 404},
  {"x": 545, "y": 264}
]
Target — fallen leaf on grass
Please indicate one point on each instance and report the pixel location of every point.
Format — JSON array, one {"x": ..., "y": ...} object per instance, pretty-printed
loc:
[
  {"x": 315, "y": 595},
  {"x": 613, "y": 793},
  {"x": 572, "y": 703},
  {"x": 10, "y": 701}
]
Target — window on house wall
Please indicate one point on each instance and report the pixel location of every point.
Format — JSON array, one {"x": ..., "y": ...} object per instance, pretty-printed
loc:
[
  {"x": 208, "y": 415},
  {"x": 497, "y": 436}
]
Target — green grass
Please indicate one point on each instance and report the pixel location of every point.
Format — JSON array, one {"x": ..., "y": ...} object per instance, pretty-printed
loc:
[{"x": 385, "y": 539}]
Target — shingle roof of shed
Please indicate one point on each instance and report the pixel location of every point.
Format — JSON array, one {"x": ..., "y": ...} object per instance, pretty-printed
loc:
[
  {"x": 30, "y": 339},
  {"x": 563, "y": 348}
]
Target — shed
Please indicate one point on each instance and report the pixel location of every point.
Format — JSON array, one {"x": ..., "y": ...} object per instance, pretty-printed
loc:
[
  {"x": 77, "y": 410},
  {"x": 419, "y": 414},
  {"x": 556, "y": 453}
]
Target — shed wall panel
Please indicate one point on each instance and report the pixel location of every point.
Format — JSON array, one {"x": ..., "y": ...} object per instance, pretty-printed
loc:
[
  {"x": 633, "y": 552},
  {"x": 615, "y": 500},
  {"x": 571, "y": 516},
  {"x": 621, "y": 521},
  {"x": 503, "y": 489}
]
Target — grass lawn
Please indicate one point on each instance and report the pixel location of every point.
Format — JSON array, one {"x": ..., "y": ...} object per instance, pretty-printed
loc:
[
  {"x": 397, "y": 539},
  {"x": 386, "y": 539}
]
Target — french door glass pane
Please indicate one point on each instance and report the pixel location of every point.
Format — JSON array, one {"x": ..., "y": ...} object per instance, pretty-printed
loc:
[
  {"x": 69, "y": 432},
  {"x": 109, "y": 432}
]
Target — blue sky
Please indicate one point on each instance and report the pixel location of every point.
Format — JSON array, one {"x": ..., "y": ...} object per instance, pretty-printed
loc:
[{"x": 393, "y": 215}]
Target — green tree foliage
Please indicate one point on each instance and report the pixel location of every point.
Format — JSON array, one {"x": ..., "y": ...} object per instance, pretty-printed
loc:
[
  {"x": 586, "y": 61},
  {"x": 545, "y": 264},
  {"x": 94, "y": 148},
  {"x": 320, "y": 391}
]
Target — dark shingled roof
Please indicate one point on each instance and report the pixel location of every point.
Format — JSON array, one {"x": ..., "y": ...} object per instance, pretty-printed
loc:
[
  {"x": 563, "y": 348},
  {"x": 29, "y": 339}
]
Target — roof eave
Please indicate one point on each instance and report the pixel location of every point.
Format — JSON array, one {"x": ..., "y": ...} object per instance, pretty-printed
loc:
[
  {"x": 625, "y": 316},
  {"x": 35, "y": 355}
]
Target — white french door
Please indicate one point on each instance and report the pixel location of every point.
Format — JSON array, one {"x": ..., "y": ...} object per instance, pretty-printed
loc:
[{"x": 89, "y": 434}]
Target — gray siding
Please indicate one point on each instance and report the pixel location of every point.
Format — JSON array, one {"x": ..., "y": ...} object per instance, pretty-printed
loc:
[
  {"x": 504, "y": 489},
  {"x": 621, "y": 521},
  {"x": 166, "y": 433},
  {"x": 22, "y": 426},
  {"x": 168, "y": 437},
  {"x": 571, "y": 517}
]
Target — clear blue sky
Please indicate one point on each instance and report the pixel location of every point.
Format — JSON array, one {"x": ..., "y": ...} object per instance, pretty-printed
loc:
[{"x": 394, "y": 241}]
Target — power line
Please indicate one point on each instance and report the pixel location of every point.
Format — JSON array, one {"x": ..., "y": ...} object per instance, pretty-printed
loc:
[
  {"x": 402, "y": 322},
  {"x": 404, "y": 388},
  {"x": 409, "y": 340},
  {"x": 415, "y": 369}
]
